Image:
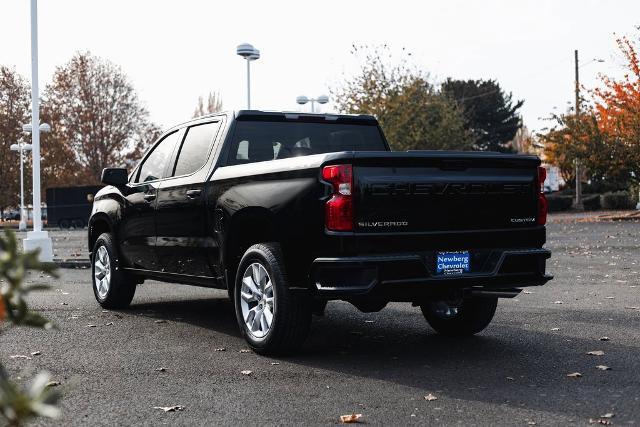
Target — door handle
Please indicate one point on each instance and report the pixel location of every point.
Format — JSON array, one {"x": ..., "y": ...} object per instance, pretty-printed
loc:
[
  {"x": 192, "y": 194},
  {"x": 149, "y": 197}
]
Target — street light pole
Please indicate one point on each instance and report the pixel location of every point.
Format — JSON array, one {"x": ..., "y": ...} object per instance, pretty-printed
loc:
[
  {"x": 36, "y": 239},
  {"x": 578, "y": 202},
  {"x": 249, "y": 53},
  {"x": 248, "y": 84},
  {"x": 21, "y": 148}
]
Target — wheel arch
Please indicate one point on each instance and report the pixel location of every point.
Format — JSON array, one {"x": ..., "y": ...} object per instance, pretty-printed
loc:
[
  {"x": 245, "y": 228},
  {"x": 98, "y": 224}
]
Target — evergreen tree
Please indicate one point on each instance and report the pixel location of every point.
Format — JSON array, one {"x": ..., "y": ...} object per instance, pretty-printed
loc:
[{"x": 491, "y": 115}]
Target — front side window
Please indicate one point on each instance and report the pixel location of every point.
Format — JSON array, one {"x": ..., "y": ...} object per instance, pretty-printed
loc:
[
  {"x": 155, "y": 164},
  {"x": 259, "y": 141},
  {"x": 195, "y": 148}
]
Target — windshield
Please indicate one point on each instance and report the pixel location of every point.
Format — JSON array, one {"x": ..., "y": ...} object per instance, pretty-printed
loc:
[{"x": 259, "y": 141}]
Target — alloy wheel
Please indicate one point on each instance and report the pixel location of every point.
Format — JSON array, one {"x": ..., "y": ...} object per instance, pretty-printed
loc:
[
  {"x": 102, "y": 272},
  {"x": 257, "y": 300}
]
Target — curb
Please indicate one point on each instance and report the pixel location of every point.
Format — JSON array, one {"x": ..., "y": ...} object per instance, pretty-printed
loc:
[{"x": 72, "y": 263}]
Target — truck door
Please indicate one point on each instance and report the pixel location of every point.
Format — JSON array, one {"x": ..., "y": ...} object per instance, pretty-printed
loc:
[
  {"x": 137, "y": 233},
  {"x": 181, "y": 218}
]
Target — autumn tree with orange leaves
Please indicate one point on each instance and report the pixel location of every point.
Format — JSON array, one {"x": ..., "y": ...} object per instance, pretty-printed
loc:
[{"x": 606, "y": 135}]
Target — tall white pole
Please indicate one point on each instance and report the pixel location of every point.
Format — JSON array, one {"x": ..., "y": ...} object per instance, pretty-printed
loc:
[
  {"x": 23, "y": 222},
  {"x": 35, "y": 118},
  {"x": 36, "y": 239},
  {"x": 248, "y": 84}
]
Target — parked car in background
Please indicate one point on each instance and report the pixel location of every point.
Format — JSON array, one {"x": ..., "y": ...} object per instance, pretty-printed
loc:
[
  {"x": 288, "y": 211},
  {"x": 70, "y": 206}
]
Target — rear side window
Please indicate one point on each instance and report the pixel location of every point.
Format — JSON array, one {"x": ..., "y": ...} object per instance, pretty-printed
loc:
[
  {"x": 259, "y": 141},
  {"x": 155, "y": 164},
  {"x": 195, "y": 148}
]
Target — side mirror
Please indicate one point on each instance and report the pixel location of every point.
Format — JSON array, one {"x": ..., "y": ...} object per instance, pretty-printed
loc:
[{"x": 114, "y": 176}]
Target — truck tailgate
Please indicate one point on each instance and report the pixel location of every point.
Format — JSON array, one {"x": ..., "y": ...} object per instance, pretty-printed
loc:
[{"x": 444, "y": 191}]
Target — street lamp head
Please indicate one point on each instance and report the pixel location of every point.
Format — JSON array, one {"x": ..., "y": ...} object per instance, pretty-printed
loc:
[
  {"x": 255, "y": 55},
  {"x": 245, "y": 50},
  {"x": 323, "y": 99},
  {"x": 302, "y": 100},
  {"x": 44, "y": 128},
  {"x": 20, "y": 147}
]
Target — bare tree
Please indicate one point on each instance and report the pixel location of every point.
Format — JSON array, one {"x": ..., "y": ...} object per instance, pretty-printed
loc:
[
  {"x": 14, "y": 111},
  {"x": 96, "y": 114},
  {"x": 214, "y": 105}
]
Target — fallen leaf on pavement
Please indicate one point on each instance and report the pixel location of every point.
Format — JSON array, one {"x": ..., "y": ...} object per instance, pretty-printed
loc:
[
  {"x": 601, "y": 421},
  {"x": 35, "y": 353},
  {"x": 574, "y": 375},
  {"x": 430, "y": 397},
  {"x": 170, "y": 408},
  {"x": 596, "y": 353},
  {"x": 352, "y": 418},
  {"x": 19, "y": 356},
  {"x": 603, "y": 367},
  {"x": 53, "y": 384},
  {"x": 604, "y": 338},
  {"x": 246, "y": 372}
]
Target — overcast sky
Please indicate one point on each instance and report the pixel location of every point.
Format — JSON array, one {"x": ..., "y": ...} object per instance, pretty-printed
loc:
[{"x": 174, "y": 51}]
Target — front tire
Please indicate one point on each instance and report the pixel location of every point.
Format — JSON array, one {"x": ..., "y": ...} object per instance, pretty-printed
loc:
[
  {"x": 112, "y": 287},
  {"x": 467, "y": 318},
  {"x": 272, "y": 319}
]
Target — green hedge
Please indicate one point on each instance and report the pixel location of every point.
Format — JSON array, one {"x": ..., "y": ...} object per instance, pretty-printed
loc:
[
  {"x": 591, "y": 202},
  {"x": 616, "y": 200},
  {"x": 559, "y": 202}
]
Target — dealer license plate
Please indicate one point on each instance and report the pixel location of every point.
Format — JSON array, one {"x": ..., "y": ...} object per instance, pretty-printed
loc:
[{"x": 448, "y": 263}]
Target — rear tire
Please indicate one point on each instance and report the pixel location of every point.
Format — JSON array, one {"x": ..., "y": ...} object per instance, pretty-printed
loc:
[
  {"x": 112, "y": 287},
  {"x": 468, "y": 318},
  {"x": 272, "y": 319}
]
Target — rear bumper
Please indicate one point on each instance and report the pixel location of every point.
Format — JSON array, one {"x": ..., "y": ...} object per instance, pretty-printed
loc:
[{"x": 409, "y": 277}]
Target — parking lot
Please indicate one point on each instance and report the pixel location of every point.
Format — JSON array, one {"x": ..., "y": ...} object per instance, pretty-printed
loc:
[{"x": 181, "y": 346}]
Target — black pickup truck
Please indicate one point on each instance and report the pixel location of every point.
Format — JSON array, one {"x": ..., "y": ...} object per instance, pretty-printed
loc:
[{"x": 287, "y": 211}]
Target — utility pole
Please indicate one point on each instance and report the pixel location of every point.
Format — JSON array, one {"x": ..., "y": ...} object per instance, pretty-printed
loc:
[
  {"x": 578, "y": 202},
  {"x": 577, "y": 205}
]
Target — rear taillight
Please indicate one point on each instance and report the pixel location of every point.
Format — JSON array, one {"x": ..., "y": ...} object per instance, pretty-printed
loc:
[
  {"x": 542, "y": 199},
  {"x": 339, "y": 209}
]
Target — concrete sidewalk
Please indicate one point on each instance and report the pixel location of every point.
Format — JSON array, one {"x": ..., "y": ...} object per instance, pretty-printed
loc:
[{"x": 69, "y": 247}]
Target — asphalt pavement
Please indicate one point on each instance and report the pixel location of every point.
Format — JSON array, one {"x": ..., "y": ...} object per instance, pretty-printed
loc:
[{"x": 179, "y": 345}]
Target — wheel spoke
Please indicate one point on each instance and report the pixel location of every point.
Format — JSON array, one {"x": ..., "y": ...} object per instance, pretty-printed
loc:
[
  {"x": 264, "y": 327},
  {"x": 248, "y": 297},
  {"x": 268, "y": 316},
  {"x": 257, "y": 275},
  {"x": 251, "y": 284},
  {"x": 255, "y": 325}
]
